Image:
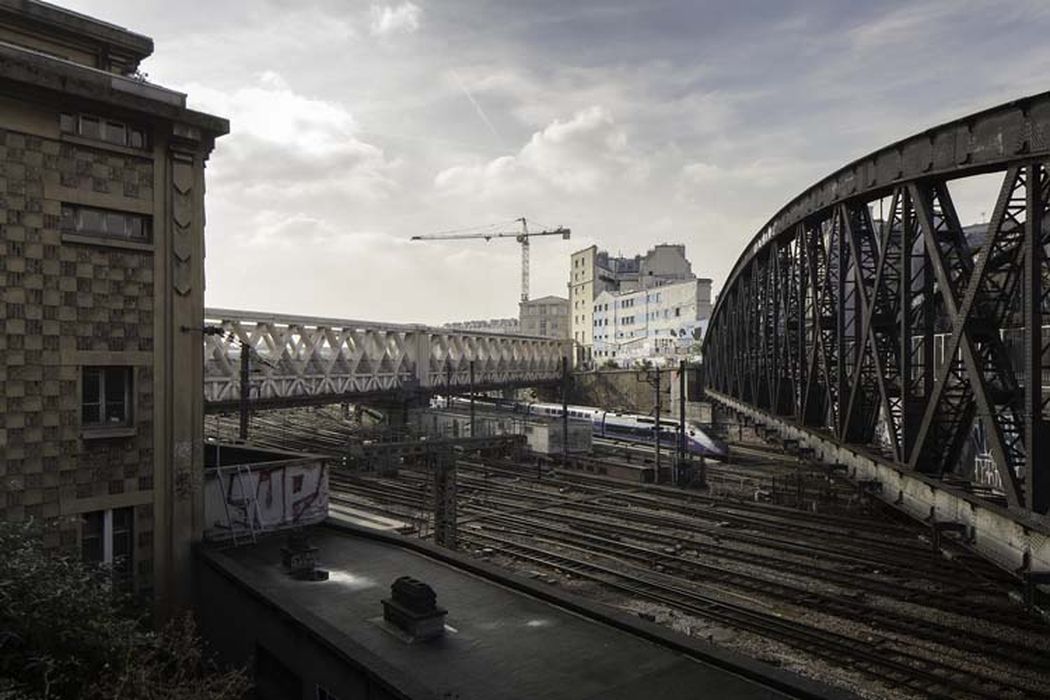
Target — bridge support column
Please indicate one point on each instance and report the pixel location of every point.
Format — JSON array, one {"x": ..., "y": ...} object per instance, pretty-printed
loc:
[{"x": 443, "y": 475}]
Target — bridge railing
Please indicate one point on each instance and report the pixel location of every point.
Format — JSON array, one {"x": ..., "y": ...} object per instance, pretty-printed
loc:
[
  {"x": 831, "y": 317},
  {"x": 293, "y": 358}
]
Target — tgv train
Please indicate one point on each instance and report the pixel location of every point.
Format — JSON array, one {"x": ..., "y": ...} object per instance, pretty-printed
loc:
[
  {"x": 630, "y": 427},
  {"x": 635, "y": 428}
]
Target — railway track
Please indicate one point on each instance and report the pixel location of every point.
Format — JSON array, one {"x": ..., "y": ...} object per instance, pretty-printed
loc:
[{"x": 659, "y": 545}]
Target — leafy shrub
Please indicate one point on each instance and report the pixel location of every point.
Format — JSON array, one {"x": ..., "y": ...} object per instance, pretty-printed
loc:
[{"x": 66, "y": 633}]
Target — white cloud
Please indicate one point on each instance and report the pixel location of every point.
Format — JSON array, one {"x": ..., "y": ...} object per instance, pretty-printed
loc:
[
  {"x": 388, "y": 20},
  {"x": 284, "y": 145},
  {"x": 577, "y": 156}
]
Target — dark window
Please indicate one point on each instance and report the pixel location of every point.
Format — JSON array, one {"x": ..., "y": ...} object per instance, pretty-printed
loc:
[
  {"x": 107, "y": 537},
  {"x": 91, "y": 533},
  {"x": 116, "y": 133},
  {"x": 89, "y": 127},
  {"x": 123, "y": 543},
  {"x": 105, "y": 396},
  {"x": 105, "y": 223},
  {"x": 325, "y": 694}
]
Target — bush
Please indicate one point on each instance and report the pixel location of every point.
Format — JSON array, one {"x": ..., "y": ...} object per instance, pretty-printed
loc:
[{"x": 65, "y": 633}]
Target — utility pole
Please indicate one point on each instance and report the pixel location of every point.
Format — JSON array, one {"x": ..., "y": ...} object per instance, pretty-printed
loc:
[
  {"x": 681, "y": 421},
  {"x": 245, "y": 388},
  {"x": 656, "y": 425},
  {"x": 565, "y": 410},
  {"x": 472, "y": 434},
  {"x": 655, "y": 382}
]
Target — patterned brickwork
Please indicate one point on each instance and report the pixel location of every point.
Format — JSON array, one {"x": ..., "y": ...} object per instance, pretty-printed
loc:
[{"x": 58, "y": 299}]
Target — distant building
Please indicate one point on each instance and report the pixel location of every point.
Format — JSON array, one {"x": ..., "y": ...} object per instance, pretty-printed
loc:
[
  {"x": 508, "y": 326},
  {"x": 659, "y": 322},
  {"x": 594, "y": 271},
  {"x": 102, "y": 281},
  {"x": 547, "y": 317}
]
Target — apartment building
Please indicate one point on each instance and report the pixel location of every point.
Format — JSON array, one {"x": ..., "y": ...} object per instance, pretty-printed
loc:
[
  {"x": 547, "y": 317},
  {"x": 101, "y": 297},
  {"x": 663, "y": 322},
  {"x": 594, "y": 271}
]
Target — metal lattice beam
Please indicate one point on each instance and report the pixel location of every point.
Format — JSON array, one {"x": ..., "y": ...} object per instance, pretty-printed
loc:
[
  {"x": 899, "y": 332},
  {"x": 302, "y": 359}
]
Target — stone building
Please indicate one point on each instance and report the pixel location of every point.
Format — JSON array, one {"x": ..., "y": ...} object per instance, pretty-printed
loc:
[
  {"x": 101, "y": 296},
  {"x": 547, "y": 317},
  {"x": 594, "y": 271}
]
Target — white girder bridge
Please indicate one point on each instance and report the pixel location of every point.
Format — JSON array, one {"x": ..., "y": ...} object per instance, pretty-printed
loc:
[{"x": 300, "y": 360}]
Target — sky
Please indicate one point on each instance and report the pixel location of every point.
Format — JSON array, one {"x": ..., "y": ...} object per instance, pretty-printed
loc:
[{"x": 356, "y": 125}]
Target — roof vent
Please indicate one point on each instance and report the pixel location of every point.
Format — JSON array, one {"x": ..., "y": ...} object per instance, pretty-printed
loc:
[
  {"x": 412, "y": 608},
  {"x": 300, "y": 558}
]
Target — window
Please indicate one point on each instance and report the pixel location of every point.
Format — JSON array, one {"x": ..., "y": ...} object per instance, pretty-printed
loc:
[
  {"x": 105, "y": 397},
  {"x": 105, "y": 223},
  {"x": 108, "y": 130},
  {"x": 107, "y": 537},
  {"x": 325, "y": 694}
]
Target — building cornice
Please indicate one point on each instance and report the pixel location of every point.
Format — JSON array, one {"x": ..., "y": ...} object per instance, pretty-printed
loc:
[{"x": 37, "y": 71}]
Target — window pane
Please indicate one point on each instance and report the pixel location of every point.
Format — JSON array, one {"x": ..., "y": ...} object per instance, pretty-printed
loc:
[
  {"x": 115, "y": 387},
  {"x": 135, "y": 227},
  {"x": 90, "y": 127},
  {"x": 116, "y": 133},
  {"x": 115, "y": 224},
  {"x": 67, "y": 123},
  {"x": 123, "y": 541},
  {"x": 90, "y": 221},
  {"x": 91, "y": 398},
  {"x": 91, "y": 537},
  {"x": 136, "y": 139}
]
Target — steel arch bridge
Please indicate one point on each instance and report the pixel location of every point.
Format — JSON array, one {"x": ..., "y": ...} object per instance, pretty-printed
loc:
[
  {"x": 902, "y": 332},
  {"x": 301, "y": 360}
]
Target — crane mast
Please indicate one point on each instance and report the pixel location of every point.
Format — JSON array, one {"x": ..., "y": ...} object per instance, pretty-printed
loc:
[{"x": 521, "y": 237}]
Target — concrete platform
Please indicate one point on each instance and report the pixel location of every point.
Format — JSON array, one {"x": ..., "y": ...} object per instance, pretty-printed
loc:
[{"x": 506, "y": 637}]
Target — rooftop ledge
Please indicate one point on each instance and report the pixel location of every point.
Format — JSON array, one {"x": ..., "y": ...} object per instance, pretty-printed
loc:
[{"x": 37, "y": 69}]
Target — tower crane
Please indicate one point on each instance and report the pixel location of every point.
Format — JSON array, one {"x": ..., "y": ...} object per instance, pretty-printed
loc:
[{"x": 521, "y": 237}]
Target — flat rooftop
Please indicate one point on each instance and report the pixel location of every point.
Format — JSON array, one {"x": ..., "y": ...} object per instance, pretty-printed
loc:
[{"x": 502, "y": 639}]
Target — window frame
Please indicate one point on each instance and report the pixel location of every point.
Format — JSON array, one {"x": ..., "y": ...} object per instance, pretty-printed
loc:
[
  {"x": 111, "y": 524},
  {"x": 105, "y": 130},
  {"x": 71, "y": 223},
  {"x": 102, "y": 427}
]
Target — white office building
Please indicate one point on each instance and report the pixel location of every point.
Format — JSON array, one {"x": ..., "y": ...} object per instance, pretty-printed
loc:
[{"x": 662, "y": 324}]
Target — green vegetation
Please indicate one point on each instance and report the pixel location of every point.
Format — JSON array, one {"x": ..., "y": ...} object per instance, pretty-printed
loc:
[{"x": 65, "y": 633}]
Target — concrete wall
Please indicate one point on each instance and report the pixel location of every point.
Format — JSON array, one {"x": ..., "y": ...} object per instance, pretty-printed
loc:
[
  {"x": 619, "y": 389},
  {"x": 238, "y": 623}
]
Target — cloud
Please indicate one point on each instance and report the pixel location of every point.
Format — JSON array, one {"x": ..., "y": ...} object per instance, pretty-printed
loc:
[
  {"x": 577, "y": 156},
  {"x": 284, "y": 145},
  {"x": 388, "y": 20}
]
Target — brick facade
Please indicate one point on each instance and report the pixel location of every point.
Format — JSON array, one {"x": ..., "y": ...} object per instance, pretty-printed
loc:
[
  {"x": 59, "y": 299},
  {"x": 78, "y": 301}
]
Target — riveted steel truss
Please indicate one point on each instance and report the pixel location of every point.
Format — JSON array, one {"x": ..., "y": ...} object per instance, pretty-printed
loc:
[
  {"x": 296, "y": 360},
  {"x": 864, "y": 309}
]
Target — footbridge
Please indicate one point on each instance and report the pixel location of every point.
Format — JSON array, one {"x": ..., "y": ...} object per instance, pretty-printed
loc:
[
  {"x": 296, "y": 360},
  {"x": 866, "y": 321}
]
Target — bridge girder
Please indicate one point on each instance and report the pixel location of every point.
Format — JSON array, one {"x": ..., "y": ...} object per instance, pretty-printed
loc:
[
  {"x": 904, "y": 335},
  {"x": 298, "y": 361}
]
